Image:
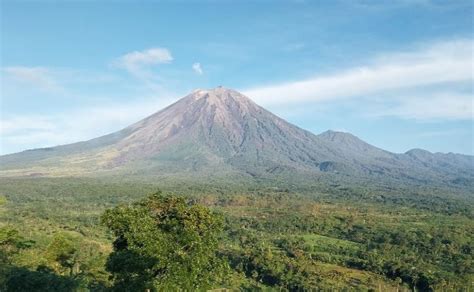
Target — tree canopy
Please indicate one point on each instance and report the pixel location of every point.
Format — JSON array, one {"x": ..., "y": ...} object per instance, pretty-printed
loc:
[{"x": 164, "y": 243}]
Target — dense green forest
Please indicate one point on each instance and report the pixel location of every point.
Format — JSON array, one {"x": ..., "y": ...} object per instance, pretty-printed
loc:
[{"x": 92, "y": 235}]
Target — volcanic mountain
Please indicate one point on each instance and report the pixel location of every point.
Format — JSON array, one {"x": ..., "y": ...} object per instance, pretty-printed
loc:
[{"x": 220, "y": 133}]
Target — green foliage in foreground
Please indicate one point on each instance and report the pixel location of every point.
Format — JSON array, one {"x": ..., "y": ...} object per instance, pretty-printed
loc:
[
  {"x": 164, "y": 244},
  {"x": 51, "y": 238},
  {"x": 67, "y": 263}
]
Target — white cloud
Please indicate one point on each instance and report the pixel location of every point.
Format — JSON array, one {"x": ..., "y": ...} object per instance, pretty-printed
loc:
[
  {"x": 35, "y": 131},
  {"x": 442, "y": 133},
  {"x": 197, "y": 68},
  {"x": 25, "y": 124},
  {"x": 446, "y": 105},
  {"x": 138, "y": 63},
  {"x": 418, "y": 84},
  {"x": 39, "y": 77},
  {"x": 439, "y": 63}
]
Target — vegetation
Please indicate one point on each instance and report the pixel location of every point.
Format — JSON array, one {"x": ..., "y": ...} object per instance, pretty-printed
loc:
[
  {"x": 90, "y": 235},
  {"x": 163, "y": 244}
]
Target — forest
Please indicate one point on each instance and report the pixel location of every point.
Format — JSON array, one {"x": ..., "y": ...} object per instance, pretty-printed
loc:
[{"x": 61, "y": 234}]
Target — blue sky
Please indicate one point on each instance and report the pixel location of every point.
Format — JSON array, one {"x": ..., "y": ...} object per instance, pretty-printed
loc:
[{"x": 397, "y": 74}]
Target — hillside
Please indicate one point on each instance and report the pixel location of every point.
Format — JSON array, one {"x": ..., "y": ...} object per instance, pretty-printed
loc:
[{"x": 223, "y": 134}]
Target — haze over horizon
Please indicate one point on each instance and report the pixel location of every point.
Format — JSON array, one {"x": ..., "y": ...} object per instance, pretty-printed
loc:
[{"x": 390, "y": 73}]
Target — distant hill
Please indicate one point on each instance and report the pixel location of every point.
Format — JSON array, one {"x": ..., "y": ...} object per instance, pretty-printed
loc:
[{"x": 221, "y": 134}]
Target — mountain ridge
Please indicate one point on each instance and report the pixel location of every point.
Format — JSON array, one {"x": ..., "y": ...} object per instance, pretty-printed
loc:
[{"x": 214, "y": 132}]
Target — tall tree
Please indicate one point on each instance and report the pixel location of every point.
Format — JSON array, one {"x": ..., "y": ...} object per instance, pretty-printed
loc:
[{"x": 164, "y": 243}]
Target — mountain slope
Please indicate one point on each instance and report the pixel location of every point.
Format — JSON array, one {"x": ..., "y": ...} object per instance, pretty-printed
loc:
[{"x": 220, "y": 132}]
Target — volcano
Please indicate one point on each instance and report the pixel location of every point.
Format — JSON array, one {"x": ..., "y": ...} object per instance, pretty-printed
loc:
[{"x": 222, "y": 134}]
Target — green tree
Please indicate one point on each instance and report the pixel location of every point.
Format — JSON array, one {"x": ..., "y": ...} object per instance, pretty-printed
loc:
[
  {"x": 62, "y": 252},
  {"x": 163, "y": 243},
  {"x": 70, "y": 255},
  {"x": 11, "y": 242},
  {"x": 22, "y": 279}
]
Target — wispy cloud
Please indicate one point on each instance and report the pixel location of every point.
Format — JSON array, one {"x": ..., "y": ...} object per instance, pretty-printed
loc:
[
  {"x": 35, "y": 131},
  {"x": 24, "y": 124},
  {"x": 434, "y": 64},
  {"x": 16, "y": 81},
  {"x": 39, "y": 77},
  {"x": 443, "y": 133},
  {"x": 447, "y": 105},
  {"x": 422, "y": 83},
  {"x": 139, "y": 63},
  {"x": 197, "y": 68}
]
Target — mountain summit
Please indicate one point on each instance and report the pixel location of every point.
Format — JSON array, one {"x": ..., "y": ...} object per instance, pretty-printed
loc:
[{"x": 222, "y": 133}]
